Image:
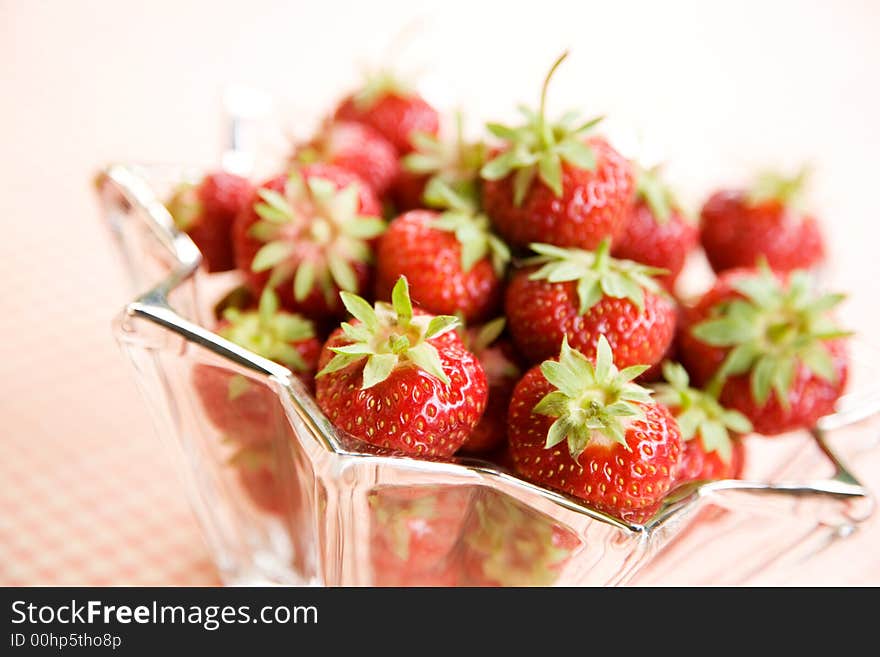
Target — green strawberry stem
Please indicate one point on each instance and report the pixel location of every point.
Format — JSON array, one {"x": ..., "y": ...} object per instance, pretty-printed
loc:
[
  {"x": 546, "y": 134},
  {"x": 596, "y": 273},
  {"x": 590, "y": 398},
  {"x": 698, "y": 412},
  {"x": 389, "y": 335},
  {"x": 769, "y": 331}
]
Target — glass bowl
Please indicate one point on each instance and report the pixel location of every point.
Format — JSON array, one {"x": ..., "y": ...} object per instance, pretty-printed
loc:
[{"x": 288, "y": 499}]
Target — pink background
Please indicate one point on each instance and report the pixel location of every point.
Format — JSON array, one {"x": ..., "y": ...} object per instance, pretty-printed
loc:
[{"x": 86, "y": 496}]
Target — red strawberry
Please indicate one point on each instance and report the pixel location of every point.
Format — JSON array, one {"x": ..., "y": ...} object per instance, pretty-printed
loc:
[
  {"x": 456, "y": 164},
  {"x": 412, "y": 535},
  {"x": 496, "y": 354},
  {"x": 401, "y": 379},
  {"x": 392, "y": 109},
  {"x": 308, "y": 235},
  {"x": 710, "y": 452},
  {"x": 756, "y": 333},
  {"x": 657, "y": 232},
  {"x": 257, "y": 472},
  {"x": 550, "y": 183},
  {"x": 508, "y": 544},
  {"x": 738, "y": 227},
  {"x": 357, "y": 148},
  {"x": 453, "y": 263},
  {"x": 206, "y": 211},
  {"x": 582, "y": 295},
  {"x": 587, "y": 430},
  {"x": 246, "y": 411}
]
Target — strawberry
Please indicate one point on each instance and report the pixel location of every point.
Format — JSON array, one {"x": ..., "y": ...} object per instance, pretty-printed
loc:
[
  {"x": 508, "y": 544},
  {"x": 308, "y": 235},
  {"x": 401, "y": 379},
  {"x": 739, "y": 226},
  {"x": 657, "y": 232},
  {"x": 393, "y": 109},
  {"x": 551, "y": 183},
  {"x": 245, "y": 410},
  {"x": 413, "y": 532},
  {"x": 453, "y": 263},
  {"x": 206, "y": 211},
  {"x": 496, "y": 354},
  {"x": 586, "y": 429},
  {"x": 355, "y": 147},
  {"x": 710, "y": 452},
  {"x": 457, "y": 164},
  {"x": 756, "y": 332},
  {"x": 257, "y": 473},
  {"x": 582, "y": 295}
]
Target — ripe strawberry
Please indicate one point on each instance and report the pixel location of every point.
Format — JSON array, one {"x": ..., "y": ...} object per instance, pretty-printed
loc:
[
  {"x": 756, "y": 332},
  {"x": 391, "y": 108},
  {"x": 709, "y": 451},
  {"x": 206, "y": 211},
  {"x": 496, "y": 354},
  {"x": 246, "y": 411},
  {"x": 453, "y": 263},
  {"x": 308, "y": 236},
  {"x": 588, "y": 430},
  {"x": 355, "y": 147},
  {"x": 401, "y": 379},
  {"x": 257, "y": 472},
  {"x": 508, "y": 544},
  {"x": 583, "y": 189},
  {"x": 582, "y": 295},
  {"x": 412, "y": 533},
  {"x": 657, "y": 232},
  {"x": 456, "y": 164},
  {"x": 738, "y": 227}
]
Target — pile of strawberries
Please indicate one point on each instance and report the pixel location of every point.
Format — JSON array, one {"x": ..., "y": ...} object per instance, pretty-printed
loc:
[{"x": 515, "y": 298}]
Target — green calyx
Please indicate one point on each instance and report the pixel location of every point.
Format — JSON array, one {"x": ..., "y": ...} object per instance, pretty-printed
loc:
[
  {"x": 185, "y": 206},
  {"x": 539, "y": 147},
  {"x": 775, "y": 327},
  {"x": 313, "y": 233},
  {"x": 597, "y": 274},
  {"x": 389, "y": 335},
  {"x": 470, "y": 227},
  {"x": 268, "y": 331},
  {"x": 787, "y": 191},
  {"x": 456, "y": 163},
  {"x": 699, "y": 414},
  {"x": 656, "y": 194},
  {"x": 590, "y": 398},
  {"x": 377, "y": 86}
]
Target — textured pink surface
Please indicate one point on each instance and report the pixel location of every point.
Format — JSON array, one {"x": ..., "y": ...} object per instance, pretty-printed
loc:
[{"x": 86, "y": 495}]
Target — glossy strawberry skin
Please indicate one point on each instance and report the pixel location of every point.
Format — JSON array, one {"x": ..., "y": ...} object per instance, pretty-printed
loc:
[
  {"x": 629, "y": 484},
  {"x": 594, "y": 204},
  {"x": 220, "y": 196},
  {"x": 358, "y": 148},
  {"x": 735, "y": 233},
  {"x": 540, "y": 314},
  {"x": 699, "y": 465},
  {"x": 645, "y": 239},
  {"x": 315, "y": 305},
  {"x": 502, "y": 374},
  {"x": 395, "y": 117},
  {"x": 411, "y": 411},
  {"x": 430, "y": 259},
  {"x": 810, "y": 398},
  {"x": 249, "y": 417}
]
